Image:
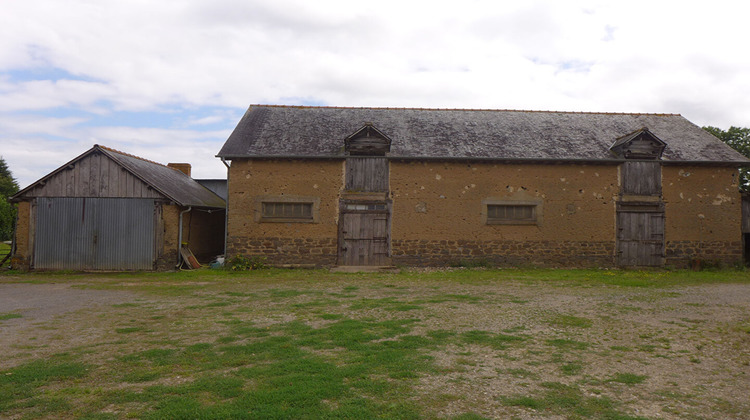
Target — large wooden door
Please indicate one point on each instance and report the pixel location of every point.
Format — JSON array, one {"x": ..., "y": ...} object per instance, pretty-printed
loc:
[
  {"x": 640, "y": 237},
  {"x": 364, "y": 214},
  {"x": 364, "y": 234}
]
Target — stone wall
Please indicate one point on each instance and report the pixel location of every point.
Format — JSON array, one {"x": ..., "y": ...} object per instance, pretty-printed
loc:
[
  {"x": 444, "y": 201},
  {"x": 685, "y": 254},
  {"x": 703, "y": 215},
  {"x": 284, "y": 243},
  {"x": 508, "y": 253},
  {"x": 437, "y": 213},
  {"x": 314, "y": 252},
  {"x": 22, "y": 258}
]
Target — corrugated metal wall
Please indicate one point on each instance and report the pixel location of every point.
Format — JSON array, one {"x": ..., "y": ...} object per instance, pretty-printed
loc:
[{"x": 94, "y": 234}]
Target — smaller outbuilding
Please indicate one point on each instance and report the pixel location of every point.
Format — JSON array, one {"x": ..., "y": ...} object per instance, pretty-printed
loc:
[{"x": 109, "y": 210}]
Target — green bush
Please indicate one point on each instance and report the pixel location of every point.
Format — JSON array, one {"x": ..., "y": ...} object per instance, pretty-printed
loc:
[{"x": 242, "y": 263}]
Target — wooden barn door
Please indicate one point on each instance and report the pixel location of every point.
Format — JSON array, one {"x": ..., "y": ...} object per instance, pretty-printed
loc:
[
  {"x": 365, "y": 213},
  {"x": 364, "y": 238},
  {"x": 640, "y": 235}
]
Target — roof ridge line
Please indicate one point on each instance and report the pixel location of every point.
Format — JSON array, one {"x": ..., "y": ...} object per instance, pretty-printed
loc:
[
  {"x": 132, "y": 155},
  {"x": 464, "y": 109}
]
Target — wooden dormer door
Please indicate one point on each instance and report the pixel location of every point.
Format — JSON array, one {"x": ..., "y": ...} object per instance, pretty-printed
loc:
[{"x": 365, "y": 213}]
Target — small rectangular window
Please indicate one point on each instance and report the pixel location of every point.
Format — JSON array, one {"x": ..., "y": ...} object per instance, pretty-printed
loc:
[
  {"x": 287, "y": 211},
  {"x": 365, "y": 207},
  {"x": 511, "y": 214}
]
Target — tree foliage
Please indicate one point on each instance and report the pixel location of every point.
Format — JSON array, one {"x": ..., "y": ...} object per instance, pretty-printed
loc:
[
  {"x": 8, "y": 187},
  {"x": 738, "y": 138}
]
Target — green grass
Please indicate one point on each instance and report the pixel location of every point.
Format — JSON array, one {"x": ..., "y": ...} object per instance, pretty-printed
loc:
[
  {"x": 628, "y": 378},
  {"x": 291, "y": 344},
  {"x": 21, "y": 385},
  {"x": 9, "y": 315},
  {"x": 4, "y": 250},
  {"x": 568, "y": 400}
]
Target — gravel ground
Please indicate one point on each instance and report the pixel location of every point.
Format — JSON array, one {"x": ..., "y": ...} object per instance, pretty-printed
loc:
[{"x": 692, "y": 343}]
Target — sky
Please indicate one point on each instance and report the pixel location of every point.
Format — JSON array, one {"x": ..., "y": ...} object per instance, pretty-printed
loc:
[{"x": 168, "y": 80}]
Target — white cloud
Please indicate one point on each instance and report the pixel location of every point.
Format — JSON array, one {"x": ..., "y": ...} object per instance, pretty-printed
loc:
[{"x": 146, "y": 56}]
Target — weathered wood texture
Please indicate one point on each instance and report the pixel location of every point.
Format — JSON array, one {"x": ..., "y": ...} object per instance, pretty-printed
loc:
[
  {"x": 364, "y": 238},
  {"x": 746, "y": 214},
  {"x": 641, "y": 178},
  {"x": 95, "y": 175},
  {"x": 640, "y": 238},
  {"x": 367, "y": 174}
]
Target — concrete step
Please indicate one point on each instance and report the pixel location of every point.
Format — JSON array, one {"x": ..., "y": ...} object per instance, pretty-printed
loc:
[{"x": 364, "y": 269}]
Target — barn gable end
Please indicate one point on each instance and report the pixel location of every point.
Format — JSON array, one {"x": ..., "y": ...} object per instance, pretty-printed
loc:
[{"x": 92, "y": 174}]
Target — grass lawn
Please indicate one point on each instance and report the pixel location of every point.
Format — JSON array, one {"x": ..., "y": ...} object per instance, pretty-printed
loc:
[
  {"x": 4, "y": 250},
  {"x": 454, "y": 344}
]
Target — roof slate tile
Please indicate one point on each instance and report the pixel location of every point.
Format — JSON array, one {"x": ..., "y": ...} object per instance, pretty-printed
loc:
[{"x": 319, "y": 132}]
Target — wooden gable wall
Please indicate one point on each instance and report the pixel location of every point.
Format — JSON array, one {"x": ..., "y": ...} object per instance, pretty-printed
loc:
[{"x": 93, "y": 175}]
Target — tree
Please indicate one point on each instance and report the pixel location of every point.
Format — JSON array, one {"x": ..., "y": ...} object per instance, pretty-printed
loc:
[
  {"x": 738, "y": 138},
  {"x": 8, "y": 187}
]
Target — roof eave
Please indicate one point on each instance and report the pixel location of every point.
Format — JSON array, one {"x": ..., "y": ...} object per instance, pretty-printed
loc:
[{"x": 609, "y": 161}]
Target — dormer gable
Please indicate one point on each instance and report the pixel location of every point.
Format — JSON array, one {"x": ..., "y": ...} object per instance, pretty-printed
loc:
[
  {"x": 640, "y": 144},
  {"x": 367, "y": 141}
]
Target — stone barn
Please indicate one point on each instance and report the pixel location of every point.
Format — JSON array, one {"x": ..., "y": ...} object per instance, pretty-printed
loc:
[
  {"x": 109, "y": 210},
  {"x": 328, "y": 186}
]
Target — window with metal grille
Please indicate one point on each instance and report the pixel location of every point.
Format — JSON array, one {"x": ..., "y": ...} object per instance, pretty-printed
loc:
[
  {"x": 511, "y": 214},
  {"x": 287, "y": 211}
]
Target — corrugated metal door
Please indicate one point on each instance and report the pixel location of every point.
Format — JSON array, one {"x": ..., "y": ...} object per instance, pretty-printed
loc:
[{"x": 94, "y": 234}]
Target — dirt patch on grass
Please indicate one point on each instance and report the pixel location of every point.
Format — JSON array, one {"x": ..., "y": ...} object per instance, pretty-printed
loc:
[
  {"x": 43, "y": 314},
  {"x": 495, "y": 348}
]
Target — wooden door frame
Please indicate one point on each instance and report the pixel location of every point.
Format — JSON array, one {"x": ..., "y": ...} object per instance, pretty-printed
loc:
[
  {"x": 646, "y": 207},
  {"x": 343, "y": 210}
]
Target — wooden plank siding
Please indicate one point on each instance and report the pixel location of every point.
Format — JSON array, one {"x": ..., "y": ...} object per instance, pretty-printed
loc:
[
  {"x": 641, "y": 178},
  {"x": 367, "y": 174},
  {"x": 364, "y": 238},
  {"x": 95, "y": 175},
  {"x": 746, "y": 213},
  {"x": 640, "y": 239}
]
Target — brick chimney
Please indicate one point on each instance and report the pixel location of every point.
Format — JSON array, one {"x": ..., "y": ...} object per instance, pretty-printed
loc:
[{"x": 182, "y": 167}]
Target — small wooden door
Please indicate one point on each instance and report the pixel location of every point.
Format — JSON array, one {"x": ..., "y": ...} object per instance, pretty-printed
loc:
[
  {"x": 364, "y": 234},
  {"x": 640, "y": 238}
]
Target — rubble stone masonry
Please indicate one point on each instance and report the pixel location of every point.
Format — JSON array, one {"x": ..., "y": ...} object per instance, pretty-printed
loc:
[
  {"x": 439, "y": 213},
  {"x": 284, "y": 243},
  {"x": 702, "y": 215}
]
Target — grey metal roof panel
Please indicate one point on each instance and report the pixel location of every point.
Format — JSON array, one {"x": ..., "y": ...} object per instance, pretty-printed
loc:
[
  {"x": 217, "y": 186},
  {"x": 284, "y": 131},
  {"x": 174, "y": 184}
]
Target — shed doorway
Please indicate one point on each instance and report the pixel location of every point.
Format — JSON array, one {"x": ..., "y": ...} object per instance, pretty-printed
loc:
[{"x": 94, "y": 234}]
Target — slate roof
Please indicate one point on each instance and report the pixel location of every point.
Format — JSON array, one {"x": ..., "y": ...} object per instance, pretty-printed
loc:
[
  {"x": 268, "y": 131},
  {"x": 171, "y": 183}
]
